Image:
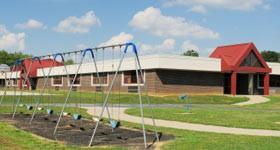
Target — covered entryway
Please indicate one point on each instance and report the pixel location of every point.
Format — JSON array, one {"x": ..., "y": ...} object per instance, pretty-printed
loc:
[
  {"x": 245, "y": 71},
  {"x": 246, "y": 84},
  {"x": 242, "y": 86}
]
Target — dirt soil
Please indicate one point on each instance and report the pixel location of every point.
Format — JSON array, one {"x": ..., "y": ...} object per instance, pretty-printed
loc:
[{"x": 79, "y": 132}]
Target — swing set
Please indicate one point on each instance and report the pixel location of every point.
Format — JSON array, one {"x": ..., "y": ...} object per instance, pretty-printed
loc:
[{"x": 129, "y": 48}]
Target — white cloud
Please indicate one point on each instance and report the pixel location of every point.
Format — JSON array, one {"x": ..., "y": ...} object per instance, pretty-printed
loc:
[
  {"x": 118, "y": 39},
  {"x": 153, "y": 21},
  {"x": 187, "y": 45},
  {"x": 11, "y": 41},
  {"x": 31, "y": 24},
  {"x": 3, "y": 30},
  {"x": 243, "y": 5},
  {"x": 166, "y": 46},
  {"x": 198, "y": 9},
  {"x": 81, "y": 24}
]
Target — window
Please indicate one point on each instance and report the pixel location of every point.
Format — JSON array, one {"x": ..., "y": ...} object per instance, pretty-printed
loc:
[
  {"x": 77, "y": 82},
  {"x": 12, "y": 82},
  {"x": 251, "y": 61},
  {"x": 274, "y": 81},
  {"x": 129, "y": 78},
  {"x": 104, "y": 79},
  {"x": 57, "y": 81},
  {"x": 260, "y": 81}
]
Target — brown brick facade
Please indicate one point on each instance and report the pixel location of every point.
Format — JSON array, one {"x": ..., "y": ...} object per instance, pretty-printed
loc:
[{"x": 158, "y": 82}]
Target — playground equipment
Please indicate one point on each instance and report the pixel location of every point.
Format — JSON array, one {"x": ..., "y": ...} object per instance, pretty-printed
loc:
[
  {"x": 138, "y": 69},
  {"x": 78, "y": 116},
  {"x": 26, "y": 78},
  {"x": 184, "y": 98},
  {"x": 124, "y": 50},
  {"x": 46, "y": 79}
]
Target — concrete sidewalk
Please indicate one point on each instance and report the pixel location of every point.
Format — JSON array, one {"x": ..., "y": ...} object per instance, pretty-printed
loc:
[
  {"x": 253, "y": 99},
  {"x": 185, "y": 126}
]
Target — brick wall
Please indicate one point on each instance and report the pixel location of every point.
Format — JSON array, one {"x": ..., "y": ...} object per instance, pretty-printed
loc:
[
  {"x": 174, "y": 81},
  {"x": 159, "y": 82}
]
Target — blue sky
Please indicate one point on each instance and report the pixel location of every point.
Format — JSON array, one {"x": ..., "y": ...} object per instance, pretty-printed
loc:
[{"x": 160, "y": 26}]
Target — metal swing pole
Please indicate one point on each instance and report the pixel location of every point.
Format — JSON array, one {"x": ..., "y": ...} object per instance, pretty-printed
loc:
[
  {"x": 149, "y": 100},
  {"x": 109, "y": 91},
  {"x": 71, "y": 86},
  {"x": 39, "y": 60},
  {"x": 141, "y": 104},
  {"x": 21, "y": 91},
  {"x": 68, "y": 95},
  {"x": 9, "y": 81},
  {"x": 43, "y": 90},
  {"x": 106, "y": 100},
  {"x": 99, "y": 80},
  {"x": 15, "y": 89}
]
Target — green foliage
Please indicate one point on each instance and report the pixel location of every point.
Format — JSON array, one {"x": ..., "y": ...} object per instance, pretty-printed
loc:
[
  {"x": 69, "y": 62},
  {"x": 9, "y": 58},
  {"x": 271, "y": 56},
  {"x": 191, "y": 53}
]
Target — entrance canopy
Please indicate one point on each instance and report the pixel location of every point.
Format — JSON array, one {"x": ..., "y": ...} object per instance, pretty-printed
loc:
[{"x": 242, "y": 58}]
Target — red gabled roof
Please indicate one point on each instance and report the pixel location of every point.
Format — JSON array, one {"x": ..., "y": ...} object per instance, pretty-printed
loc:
[
  {"x": 36, "y": 65},
  {"x": 233, "y": 55}
]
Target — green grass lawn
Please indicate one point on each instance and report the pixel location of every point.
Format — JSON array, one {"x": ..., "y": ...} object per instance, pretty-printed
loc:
[
  {"x": 12, "y": 138},
  {"x": 87, "y": 97},
  {"x": 218, "y": 112},
  {"x": 185, "y": 139},
  {"x": 260, "y": 116}
]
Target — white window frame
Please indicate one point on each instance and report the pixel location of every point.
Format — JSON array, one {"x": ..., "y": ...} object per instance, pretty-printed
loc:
[
  {"x": 69, "y": 84},
  {"x": 134, "y": 84},
  {"x": 259, "y": 87},
  {"x": 60, "y": 85},
  {"x": 107, "y": 84},
  {"x": 12, "y": 83}
]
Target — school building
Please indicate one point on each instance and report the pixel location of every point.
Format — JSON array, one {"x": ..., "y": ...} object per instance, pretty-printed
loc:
[{"x": 231, "y": 69}]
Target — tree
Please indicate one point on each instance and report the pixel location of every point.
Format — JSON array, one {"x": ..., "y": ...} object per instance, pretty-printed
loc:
[
  {"x": 69, "y": 62},
  {"x": 10, "y": 58},
  {"x": 191, "y": 52},
  {"x": 270, "y": 56}
]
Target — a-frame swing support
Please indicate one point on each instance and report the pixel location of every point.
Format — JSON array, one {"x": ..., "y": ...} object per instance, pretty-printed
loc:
[
  {"x": 137, "y": 69},
  {"x": 38, "y": 100},
  {"x": 84, "y": 52},
  {"x": 24, "y": 82}
]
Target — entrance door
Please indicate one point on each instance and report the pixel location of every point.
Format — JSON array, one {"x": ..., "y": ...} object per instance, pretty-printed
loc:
[
  {"x": 227, "y": 83},
  {"x": 242, "y": 86},
  {"x": 33, "y": 83}
]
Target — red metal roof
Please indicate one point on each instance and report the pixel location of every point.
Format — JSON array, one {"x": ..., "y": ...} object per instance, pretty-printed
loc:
[{"x": 233, "y": 55}]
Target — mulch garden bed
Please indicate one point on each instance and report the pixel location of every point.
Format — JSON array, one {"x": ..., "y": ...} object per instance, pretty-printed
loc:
[{"x": 79, "y": 132}]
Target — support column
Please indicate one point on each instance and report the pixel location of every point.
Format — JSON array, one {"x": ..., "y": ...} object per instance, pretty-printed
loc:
[
  {"x": 233, "y": 83},
  {"x": 20, "y": 81},
  {"x": 251, "y": 84},
  {"x": 266, "y": 84}
]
